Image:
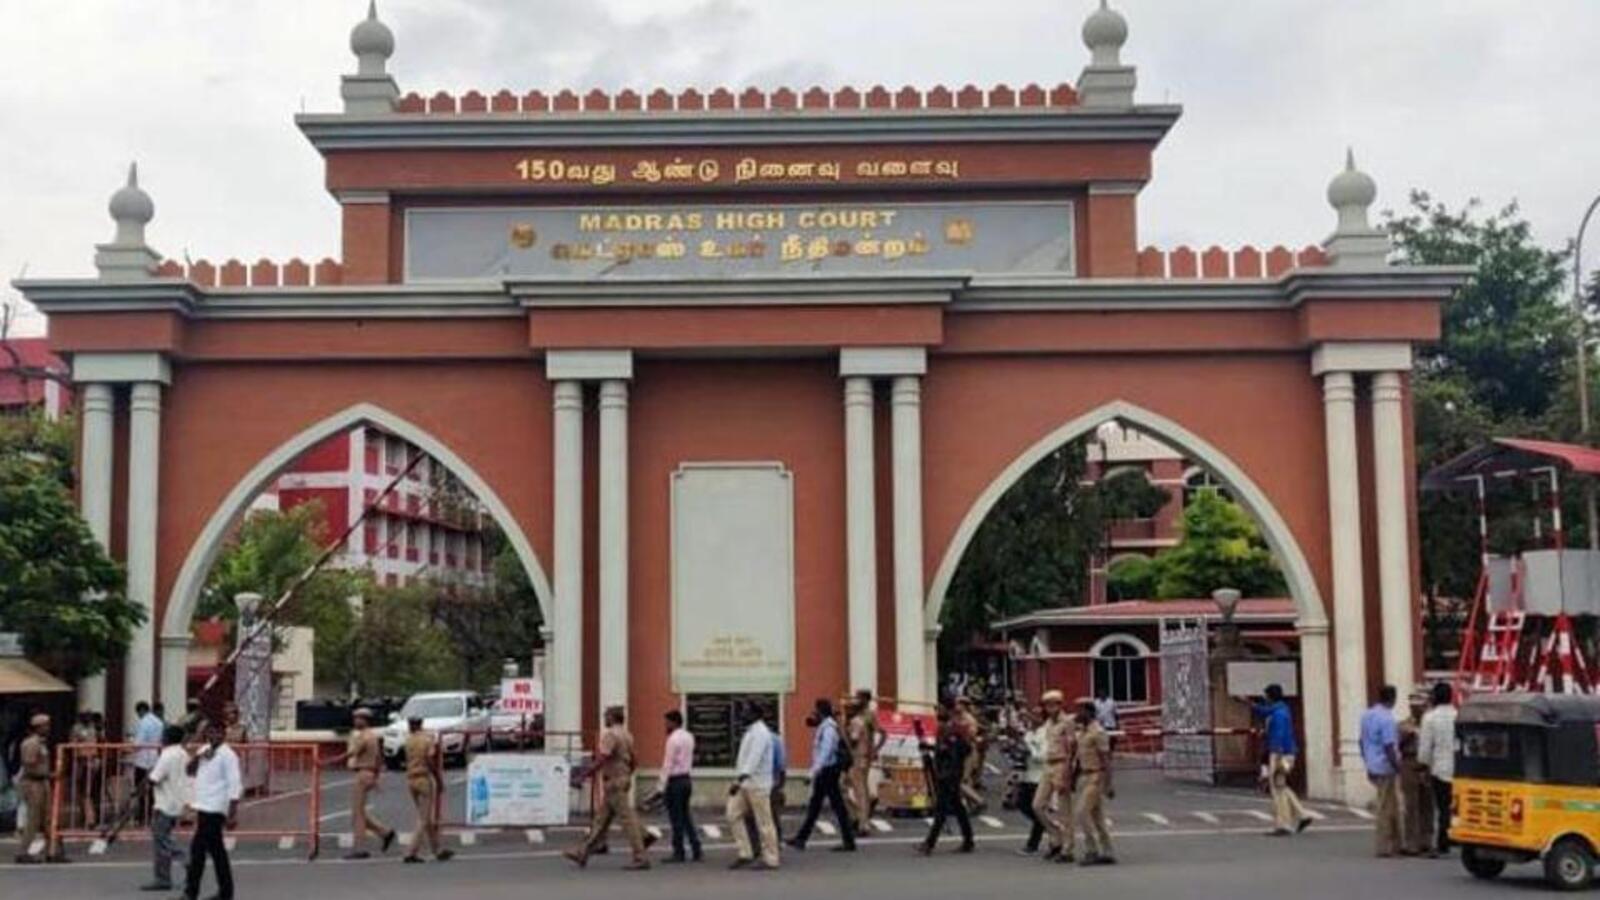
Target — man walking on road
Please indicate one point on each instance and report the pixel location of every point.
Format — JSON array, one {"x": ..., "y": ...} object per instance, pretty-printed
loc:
[
  {"x": 364, "y": 757},
  {"x": 752, "y": 792},
  {"x": 147, "y": 730},
  {"x": 1436, "y": 753},
  {"x": 866, "y": 740},
  {"x": 1288, "y": 815},
  {"x": 945, "y": 759},
  {"x": 614, "y": 766},
  {"x": 1093, "y": 758},
  {"x": 1056, "y": 784},
  {"x": 1032, "y": 774},
  {"x": 677, "y": 789},
  {"x": 424, "y": 780},
  {"x": 1380, "y": 753},
  {"x": 829, "y": 758},
  {"x": 169, "y": 791},
  {"x": 34, "y": 782},
  {"x": 217, "y": 788}
]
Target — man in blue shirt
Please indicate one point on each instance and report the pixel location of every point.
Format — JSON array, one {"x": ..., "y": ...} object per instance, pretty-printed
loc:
[
  {"x": 1288, "y": 816},
  {"x": 827, "y": 767},
  {"x": 1380, "y": 753}
]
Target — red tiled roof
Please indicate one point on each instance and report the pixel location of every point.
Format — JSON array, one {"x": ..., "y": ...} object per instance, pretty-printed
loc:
[
  {"x": 1261, "y": 609},
  {"x": 33, "y": 353},
  {"x": 1509, "y": 455}
]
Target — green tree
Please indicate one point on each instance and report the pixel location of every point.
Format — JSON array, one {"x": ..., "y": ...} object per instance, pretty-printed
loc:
[
  {"x": 1221, "y": 548},
  {"x": 58, "y": 588},
  {"x": 397, "y": 646},
  {"x": 1131, "y": 578},
  {"x": 492, "y": 620}
]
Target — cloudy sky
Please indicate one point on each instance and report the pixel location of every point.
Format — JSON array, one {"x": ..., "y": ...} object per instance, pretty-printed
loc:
[{"x": 1494, "y": 99}]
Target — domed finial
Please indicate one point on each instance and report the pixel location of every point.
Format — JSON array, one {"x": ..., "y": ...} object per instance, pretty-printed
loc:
[
  {"x": 1355, "y": 242},
  {"x": 1104, "y": 33},
  {"x": 372, "y": 42},
  {"x": 132, "y": 209}
]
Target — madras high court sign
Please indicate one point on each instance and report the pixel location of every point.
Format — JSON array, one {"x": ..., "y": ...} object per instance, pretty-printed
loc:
[{"x": 741, "y": 374}]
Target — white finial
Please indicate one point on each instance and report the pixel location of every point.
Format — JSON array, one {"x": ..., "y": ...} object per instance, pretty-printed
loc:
[
  {"x": 128, "y": 257},
  {"x": 1104, "y": 33},
  {"x": 1355, "y": 242},
  {"x": 1105, "y": 81},
  {"x": 372, "y": 42}
]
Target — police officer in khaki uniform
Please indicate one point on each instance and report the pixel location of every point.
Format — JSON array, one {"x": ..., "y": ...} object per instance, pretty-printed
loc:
[
  {"x": 972, "y": 766},
  {"x": 1056, "y": 782},
  {"x": 866, "y": 740},
  {"x": 364, "y": 757},
  {"x": 614, "y": 766},
  {"x": 1093, "y": 761},
  {"x": 425, "y": 779},
  {"x": 35, "y": 785}
]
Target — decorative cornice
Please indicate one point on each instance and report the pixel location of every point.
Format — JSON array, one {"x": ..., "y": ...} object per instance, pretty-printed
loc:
[
  {"x": 773, "y": 291},
  {"x": 733, "y": 128}
]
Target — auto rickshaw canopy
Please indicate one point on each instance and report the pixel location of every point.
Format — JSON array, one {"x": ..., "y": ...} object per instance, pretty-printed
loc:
[{"x": 1530, "y": 709}]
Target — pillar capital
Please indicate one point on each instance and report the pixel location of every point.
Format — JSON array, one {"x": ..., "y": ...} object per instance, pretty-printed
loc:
[
  {"x": 588, "y": 365},
  {"x": 1361, "y": 356},
  {"x": 121, "y": 368},
  {"x": 882, "y": 362}
]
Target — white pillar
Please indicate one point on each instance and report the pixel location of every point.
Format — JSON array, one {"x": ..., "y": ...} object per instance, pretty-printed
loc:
[
  {"x": 613, "y": 543},
  {"x": 94, "y": 485},
  {"x": 906, "y": 419},
  {"x": 1344, "y": 532},
  {"x": 174, "y": 673},
  {"x": 144, "y": 469},
  {"x": 564, "y": 690},
  {"x": 1394, "y": 550},
  {"x": 861, "y": 534},
  {"x": 1316, "y": 701}
]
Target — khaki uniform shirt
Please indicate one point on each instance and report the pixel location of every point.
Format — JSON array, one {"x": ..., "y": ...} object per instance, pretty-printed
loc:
[
  {"x": 1094, "y": 748},
  {"x": 419, "y": 755},
  {"x": 35, "y": 758},
  {"x": 365, "y": 752},
  {"x": 1056, "y": 733},
  {"x": 616, "y": 746},
  {"x": 863, "y": 732}
]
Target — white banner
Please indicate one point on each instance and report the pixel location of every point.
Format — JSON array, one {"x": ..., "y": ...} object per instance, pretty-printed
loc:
[
  {"x": 518, "y": 789},
  {"x": 521, "y": 697},
  {"x": 732, "y": 578}
]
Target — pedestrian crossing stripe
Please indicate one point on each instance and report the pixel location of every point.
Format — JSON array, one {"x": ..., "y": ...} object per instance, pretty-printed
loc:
[
  {"x": 286, "y": 842},
  {"x": 229, "y": 843},
  {"x": 346, "y": 840},
  {"x": 37, "y": 847},
  {"x": 403, "y": 838},
  {"x": 928, "y": 822},
  {"x": 469, "y": 839},
  {"x": 991, "y": 821},
  {"x": 1360, "y": 813},
  {"x": 881, "y": 826},
  {"x": 1208, "y": 818},
  {"x": 535, "y": 836},
  {"x": 1259, "y": 814},
  {"x": 1159, "y": 819},
  {"x": 1313, "y": 815},
  {"x": 655, "y": 831},
  {"x": 98, "y": 848},
  {"x": 827, "y": 829},
  {"x": 713, "y": 832},
  {"x": 991, "y": 769}
]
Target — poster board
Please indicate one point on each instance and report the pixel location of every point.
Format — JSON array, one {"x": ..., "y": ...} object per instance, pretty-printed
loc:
[{"x": 517, "y": 789}]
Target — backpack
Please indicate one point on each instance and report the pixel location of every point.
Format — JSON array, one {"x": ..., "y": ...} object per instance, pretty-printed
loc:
[{"x": 843, "y": 756}]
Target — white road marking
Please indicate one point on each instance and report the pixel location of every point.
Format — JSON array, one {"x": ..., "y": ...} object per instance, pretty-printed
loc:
[
  {"x": 712, "y": 831},
  {"x": 991, "y": 821},
  {"x": 654, "y": 830},
  {"x": 1360, "y": 813},
  {"x": 881, "y": 826},
  {"x": 1159, "y": 819},
  {"x": 346, "y": 840},
  {"x": 37, "y": 847},
  {"x": 1314, "y": 816},
  {"x": 98, "y": 848},
  {"x": 403, "y": 838},
  {"x": 1208, "y": 818},
  {"x": 535, "y": 836},
  {"x": 286, "y": 842},
  {"x": 827, "y": 829},
  {"x": 230, "y": 843},
  {"x": 468, "y": 838},
  {"x": 991, "y": 768},
  {"x": 1259, "y": 814}
]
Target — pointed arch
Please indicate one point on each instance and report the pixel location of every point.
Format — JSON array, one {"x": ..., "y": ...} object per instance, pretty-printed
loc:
[
  {"x": 1297, "y": 572},
  {"x": 207, "y": 545}
]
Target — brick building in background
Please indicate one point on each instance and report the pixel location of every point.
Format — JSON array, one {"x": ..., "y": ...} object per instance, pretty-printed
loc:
[{"x": 21, "y": 389}]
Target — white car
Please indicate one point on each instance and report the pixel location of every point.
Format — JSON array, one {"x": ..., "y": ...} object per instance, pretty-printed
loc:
[{"x": 457, "y": 717}]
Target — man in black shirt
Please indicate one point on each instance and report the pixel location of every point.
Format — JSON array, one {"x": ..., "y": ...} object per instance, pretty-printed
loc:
[{"x": 944, "y": 758}]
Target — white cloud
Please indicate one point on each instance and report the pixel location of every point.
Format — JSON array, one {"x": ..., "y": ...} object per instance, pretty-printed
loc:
[{"x": 1462, "y": 97}]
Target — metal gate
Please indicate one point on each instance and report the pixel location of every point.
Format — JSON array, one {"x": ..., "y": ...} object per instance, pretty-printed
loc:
[{"x": 1186, "y": 701}]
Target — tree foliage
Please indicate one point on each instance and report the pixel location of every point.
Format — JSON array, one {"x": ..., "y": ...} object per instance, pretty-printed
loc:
[
  {"x": 1221, "y": 548},
  {"x": 58, "y": 588},
  {"x": 494, "y": 620}
]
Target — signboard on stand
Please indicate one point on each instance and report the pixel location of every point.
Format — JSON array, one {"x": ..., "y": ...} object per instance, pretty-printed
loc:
[
  {"x": 523, "y": 789},
  {"x": 521, "y": 697}
]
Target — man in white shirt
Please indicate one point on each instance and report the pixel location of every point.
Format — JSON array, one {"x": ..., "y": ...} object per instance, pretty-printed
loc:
[
  {"x": 217, "y": 786},
  {"x": 147, "y": 746},
  {"x": 169, "y": 787},
  {"x": 752, "y": 792},
  {"x": 1436, "y": 753}
]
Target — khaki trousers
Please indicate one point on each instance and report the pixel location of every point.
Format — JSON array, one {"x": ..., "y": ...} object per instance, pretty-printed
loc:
[
  {"x": 422, "y": 796},
  {"x": 616, "y": 805},
  {"x": 756, "y": 802},
  {"x": 860, "y": 795},
  {"x": 1388, "y": 814},
  {"x": 1058, "y": 822},
  {"x": 1287, "y": 811},
  {"x": 1091, "y": 817},
  {"x": 361, "y": 821},
  {"x": 1416, "y": 808},
  {"x": 36, "y": 794}
]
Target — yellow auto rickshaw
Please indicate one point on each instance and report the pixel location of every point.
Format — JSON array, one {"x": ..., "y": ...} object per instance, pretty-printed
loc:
[{"x": 1527, "y": 785}]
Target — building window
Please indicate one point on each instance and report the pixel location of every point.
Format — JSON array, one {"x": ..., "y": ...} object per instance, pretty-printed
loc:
[
  {"x": 1120, "y": 671},
  {"x": 1196, "y": 480}
]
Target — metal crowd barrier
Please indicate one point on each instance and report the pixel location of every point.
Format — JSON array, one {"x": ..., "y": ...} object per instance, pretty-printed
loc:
[{"x": 97, "y": 795}]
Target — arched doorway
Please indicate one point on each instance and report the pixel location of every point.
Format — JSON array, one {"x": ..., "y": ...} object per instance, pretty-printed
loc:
[
  {"x": 1311, "y": 620},
  {"x": 203, "y": 552}
]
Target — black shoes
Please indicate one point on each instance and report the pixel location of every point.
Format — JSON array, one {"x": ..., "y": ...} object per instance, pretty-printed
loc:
[{"x": 388, "y": 841}]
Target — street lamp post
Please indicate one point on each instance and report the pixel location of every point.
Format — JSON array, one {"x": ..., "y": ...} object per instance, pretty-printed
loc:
[{"x": 1591, "y": 519}]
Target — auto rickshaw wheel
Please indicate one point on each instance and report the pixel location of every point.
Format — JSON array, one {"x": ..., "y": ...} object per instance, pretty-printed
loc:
[
  {"x": 1485, "y": 867},
  {"x": 1569, "y": 865}
]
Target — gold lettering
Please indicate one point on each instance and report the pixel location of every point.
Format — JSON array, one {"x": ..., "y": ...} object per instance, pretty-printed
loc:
[
  {"x": 678, "y": 170},
  {"x": 949, "y": 168},
  {"x": 818, "y": 248},
  {"x": 671, "y": 248},
  {"x": 604, "y": 173},
  {"x": 744, "y": 171},
  {"x": 894, "y": 248},
  {"x": 922, "y": 167},
  {"x": 772, "y": 170},
  {"x": 894, "y": 169},
  {"x": 802, "y": 169},
  {"x": 828, "y": 170},
  {"x": 792, "y": 249},
  {"x": 647, "y": 171},
  {"x": 708, "y": 170},
  {"x": 709, "y": 249},
  {"x": 867, "y": 246},
  {"x": 867, "y": 169},
  {"x": 588, "y": 221}
]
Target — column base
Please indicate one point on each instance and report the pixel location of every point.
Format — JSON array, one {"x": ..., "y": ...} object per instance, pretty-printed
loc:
[{"x": 1358, "y": 791}]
